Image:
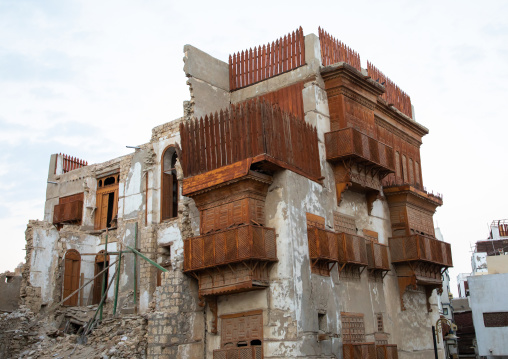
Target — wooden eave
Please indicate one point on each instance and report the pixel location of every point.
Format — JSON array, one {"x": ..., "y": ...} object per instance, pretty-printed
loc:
[
  {"x": 344, "y": 70},
  {"x": 393, "y": 113},
  {"x": 409, "y": 190}
]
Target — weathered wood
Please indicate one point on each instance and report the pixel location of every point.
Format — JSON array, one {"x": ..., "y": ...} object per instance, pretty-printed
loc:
[{"x": 217, "y": 176}]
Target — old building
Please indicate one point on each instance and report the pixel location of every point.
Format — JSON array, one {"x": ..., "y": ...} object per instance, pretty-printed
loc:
[{"x": 286, "y": 210}]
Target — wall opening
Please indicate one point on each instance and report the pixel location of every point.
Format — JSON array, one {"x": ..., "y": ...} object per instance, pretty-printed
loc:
[
  {"x": 169, "y": 185},
  {"x": 100, "y": 264}
]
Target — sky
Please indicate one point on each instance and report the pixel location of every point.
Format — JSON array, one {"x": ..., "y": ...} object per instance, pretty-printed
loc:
[{"x": 87, "y": 78}]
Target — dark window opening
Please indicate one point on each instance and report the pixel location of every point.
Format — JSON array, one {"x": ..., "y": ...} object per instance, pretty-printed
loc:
[
  {"x": 255, "y": 342},
  {"x": 322, "y": 322},
  {"x": 169, "y": 194},
  {"x": 109, "y": 180},
  {"x": 242, "y": 344},
  {"x": 111, "y": 202},
  {"x": 100, "y": 183}
]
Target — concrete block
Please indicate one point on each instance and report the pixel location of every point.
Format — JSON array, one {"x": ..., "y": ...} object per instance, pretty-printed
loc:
[
  {"x": 312, "y": 49},
  {"x": 207, "y": 98},
  {"x": 200, "y": 65},
  {"x": 315, "y": 99}
]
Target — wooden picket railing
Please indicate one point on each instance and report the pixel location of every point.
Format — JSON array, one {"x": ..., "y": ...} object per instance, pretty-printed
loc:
[
  {"x": 250, "y": 130},
  {"x": 393, "y": 95},
  {"x": 333, "y": 51},
  {"x": 70, "y": 163},
  {"x": 285, "y": 54}
]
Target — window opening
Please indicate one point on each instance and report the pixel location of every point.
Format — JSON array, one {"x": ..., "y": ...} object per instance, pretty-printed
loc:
[
  {"x": 169, "y": 201},
  {"x": 100, "y": 183},
  {"x": 109, "y": 180},
  {"x": 379, "y": 320},
  {"x": 100, "y": 264},
  {"x": 255, "y": 342},
  {"x": 111, "y": 201},
  {"x": 322, "y": 322}
]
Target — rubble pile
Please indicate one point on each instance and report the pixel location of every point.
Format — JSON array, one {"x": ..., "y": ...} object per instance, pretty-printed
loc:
[{"x": 26, "y": 336}]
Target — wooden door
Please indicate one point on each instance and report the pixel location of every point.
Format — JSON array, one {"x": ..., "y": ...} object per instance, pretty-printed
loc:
[{"x": 72, "y": 268}]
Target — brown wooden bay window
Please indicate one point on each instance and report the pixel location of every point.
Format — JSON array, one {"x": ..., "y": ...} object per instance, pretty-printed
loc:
[{"x": 169, "y": 185}]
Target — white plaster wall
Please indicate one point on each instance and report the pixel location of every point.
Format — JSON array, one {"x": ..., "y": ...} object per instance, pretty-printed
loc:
[
  {"x": 488, "y": 294},
  {"x": 44, "y": 261}
]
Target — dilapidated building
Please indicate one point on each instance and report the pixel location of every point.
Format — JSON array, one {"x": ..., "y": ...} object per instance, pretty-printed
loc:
[{"x": 285, "y": 210}]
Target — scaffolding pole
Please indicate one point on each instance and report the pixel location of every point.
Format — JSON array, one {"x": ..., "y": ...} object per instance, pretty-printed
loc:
[{"x": 104, "y": 276}]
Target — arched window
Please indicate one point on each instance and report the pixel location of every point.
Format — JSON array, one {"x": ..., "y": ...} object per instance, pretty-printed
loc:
[
  {"x": 71, "y": 276},
  {"x": 169, "y": 185}
]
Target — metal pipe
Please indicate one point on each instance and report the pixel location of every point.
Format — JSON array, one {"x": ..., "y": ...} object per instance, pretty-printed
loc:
[
  {"x": 104, "y": 276},
  {"x": 116, "y": 284},
  {"x": 84, "y": 285},
  {"x": 434, "y": 338},
  {"x": 147, "y": 259},
  {"x": 85, "y": 332},
  {"x": 135, "y": 268}
]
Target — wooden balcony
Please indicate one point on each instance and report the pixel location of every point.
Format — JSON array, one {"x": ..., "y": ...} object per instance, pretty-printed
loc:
[
  {"x": 420, "y": 248},
  {"x": 359, "y": 350},
  {"x": 387, "y": 351},
  {"x": 323, "y": 245},
  {"x": 243, "y": 243},
  {"x": 377, "y": 257},
  {"x": 253, "y": 352},
  {"x": 68, "y": 212},
  {"x": 352, "y": 250},
  {"x": 351, "y": 144},
  {"x": 330, "y": 247}
]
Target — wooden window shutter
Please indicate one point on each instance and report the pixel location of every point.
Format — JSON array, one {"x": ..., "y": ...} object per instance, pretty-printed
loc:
[{"x": 167, "y": 198}]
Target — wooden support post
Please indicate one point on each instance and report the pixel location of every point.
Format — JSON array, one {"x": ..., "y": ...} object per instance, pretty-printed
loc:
[
  {"x": 81, "y": 301},
  {"x": 135, "y": 268},
  {"x": 117, "y": 282},
  {"x": 104, "y": 276}
]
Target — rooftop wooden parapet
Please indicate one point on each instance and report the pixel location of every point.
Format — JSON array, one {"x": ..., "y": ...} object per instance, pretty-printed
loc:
[
  {"x": 377, "y": 256},
  {"x": 420, "y": 248},
  {"x": 233, "y": 245},
  {"x": 254, "y": 130},
  {"x": 349, "y": 143},
  {"x": 359, "y": 350}
]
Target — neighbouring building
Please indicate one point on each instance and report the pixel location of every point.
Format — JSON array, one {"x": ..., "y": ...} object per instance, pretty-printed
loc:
[
  {"x": 286, "y": 208},
  {"x": 463, "y": 318}
]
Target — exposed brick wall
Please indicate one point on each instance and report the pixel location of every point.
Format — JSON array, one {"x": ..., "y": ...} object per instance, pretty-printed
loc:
[{"x": 176, "y": 327}]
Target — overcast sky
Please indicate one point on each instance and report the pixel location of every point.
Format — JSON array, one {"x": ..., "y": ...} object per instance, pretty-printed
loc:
[{"x": 88, "y": 77}]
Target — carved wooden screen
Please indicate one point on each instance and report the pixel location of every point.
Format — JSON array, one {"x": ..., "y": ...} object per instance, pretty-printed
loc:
[
  {"x": 71, "y": 276},
  {"x": 243, "y": 329},
  {"x": 343, "y": 223},
  {"x": 235, "y": 212},
  {"x": 106, "y": 201},
  {"x": 353, "y": 327}
]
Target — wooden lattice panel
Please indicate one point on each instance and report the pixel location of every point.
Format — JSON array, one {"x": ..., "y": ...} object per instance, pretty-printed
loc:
[
  {"x": 343, "y": 223},
  {"x": 352, "y": 249},
  {"x": 240, "y": 211},
  {"x": 245, "y": 242},
  {"x": 359, "y": 351},
  {"x": 387, "y": 351},
  {"x": 353, "y": 328},
  {"x": 241, "y": 328}
]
